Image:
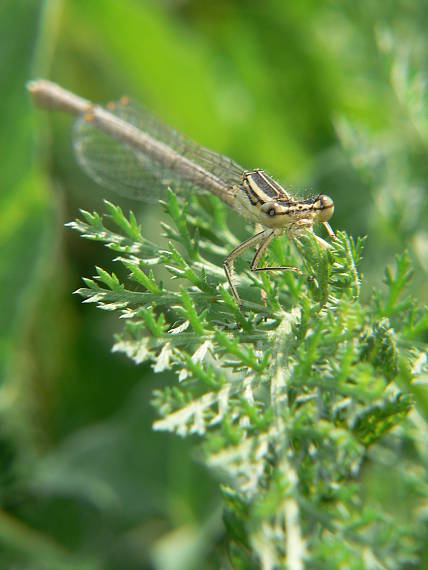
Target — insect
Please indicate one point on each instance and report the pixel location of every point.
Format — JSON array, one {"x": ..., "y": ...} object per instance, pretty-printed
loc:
[{"x": 127, "y": 149}]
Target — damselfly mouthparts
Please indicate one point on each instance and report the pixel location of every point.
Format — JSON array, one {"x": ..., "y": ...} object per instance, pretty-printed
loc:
[{"x": 127, "y": 149}]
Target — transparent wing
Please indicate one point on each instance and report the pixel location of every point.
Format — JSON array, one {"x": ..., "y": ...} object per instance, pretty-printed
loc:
[{"x": 129, "y": 172}]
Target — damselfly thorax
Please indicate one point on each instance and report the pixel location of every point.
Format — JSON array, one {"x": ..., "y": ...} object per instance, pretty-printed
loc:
[
  {"x": 262, "y": 200},
  {"x": 127, "y": 149}
]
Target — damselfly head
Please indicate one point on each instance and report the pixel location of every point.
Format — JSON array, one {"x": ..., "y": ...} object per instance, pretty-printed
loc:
[{"x": 324, "y": 207}]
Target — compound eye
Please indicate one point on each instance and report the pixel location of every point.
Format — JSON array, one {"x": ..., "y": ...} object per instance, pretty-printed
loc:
[
  {"x": 271, "y": 212},
  {"x": 327, "y": 208}
]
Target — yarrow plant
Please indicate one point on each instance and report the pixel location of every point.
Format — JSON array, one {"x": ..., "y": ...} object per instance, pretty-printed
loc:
[{"x": 290, "y": 396}]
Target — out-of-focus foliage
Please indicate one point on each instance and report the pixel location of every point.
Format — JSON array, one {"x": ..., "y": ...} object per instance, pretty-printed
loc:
[{"x": 328, "y": 96}]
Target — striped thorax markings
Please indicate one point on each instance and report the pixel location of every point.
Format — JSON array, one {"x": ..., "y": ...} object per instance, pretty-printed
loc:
[{"x": 260, "y": 188}]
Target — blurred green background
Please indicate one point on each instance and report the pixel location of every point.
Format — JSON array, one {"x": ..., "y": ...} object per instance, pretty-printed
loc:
[{"x": 326, "y": 96}]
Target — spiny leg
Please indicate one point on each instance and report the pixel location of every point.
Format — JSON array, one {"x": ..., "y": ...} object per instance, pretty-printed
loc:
[
  {"x": 258, "y": 228},
  {"x": 261, "y": 250},
  {"x": 330, "y": 232},
  {"x": 262, "y": 247},
  {"x": 239, "y": 250}
]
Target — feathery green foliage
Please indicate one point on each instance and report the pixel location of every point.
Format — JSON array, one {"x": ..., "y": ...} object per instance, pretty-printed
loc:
[{"x": 289, "y": 396}]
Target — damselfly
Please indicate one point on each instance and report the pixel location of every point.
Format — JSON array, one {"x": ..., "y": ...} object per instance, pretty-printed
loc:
[{"x": 127, "y": 149}]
